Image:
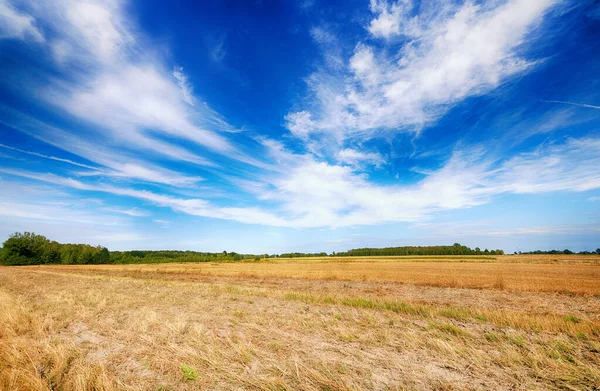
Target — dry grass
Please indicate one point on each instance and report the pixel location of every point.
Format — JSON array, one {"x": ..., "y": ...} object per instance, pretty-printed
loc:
[
  {"x": 158, "y": 327},
  {"x": 578, "y": 274}
]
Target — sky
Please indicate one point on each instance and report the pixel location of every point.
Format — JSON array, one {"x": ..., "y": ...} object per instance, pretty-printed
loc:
[{"x": 310, "y": 125}]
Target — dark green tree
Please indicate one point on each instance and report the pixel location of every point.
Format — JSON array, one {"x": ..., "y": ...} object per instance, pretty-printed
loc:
[{"x": 24, "y": 248}]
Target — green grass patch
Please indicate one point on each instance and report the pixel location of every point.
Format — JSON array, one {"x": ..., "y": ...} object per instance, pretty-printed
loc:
[
  {"x": 492, "y": 337},
  {"x": 450, "y": 329},
  {"x": 518, "y": 340},
  {"x": 188, "y": 372},
  {"x": 456, "y": 313}
]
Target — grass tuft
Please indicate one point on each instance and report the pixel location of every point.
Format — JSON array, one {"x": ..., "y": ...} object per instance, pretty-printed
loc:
[
  {"x": 188, "y": 372},
  {"x": 450, "y": 329},
  {"x": 572, "y": 319},
  {"x": 492, "y": 337}
]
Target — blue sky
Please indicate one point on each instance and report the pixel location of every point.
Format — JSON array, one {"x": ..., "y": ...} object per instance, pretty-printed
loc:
[{"x": 275, "y": 126}]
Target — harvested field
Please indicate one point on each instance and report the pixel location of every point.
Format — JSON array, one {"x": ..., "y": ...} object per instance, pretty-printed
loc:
[
  {"x": 557, "y": 273},
  {"x": 508, "y": 323}
]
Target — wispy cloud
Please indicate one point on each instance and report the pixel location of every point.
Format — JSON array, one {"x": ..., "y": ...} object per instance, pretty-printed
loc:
[
  {"x": 48, "y": 157},
  {"x": 354, "y": 157},
  {"x": 135, "y": 212},
  {"x": 320, "y": 194},
  {"x": 448, "y": 55},
  {"x": 163, "y": 223},
  {"x": 114, "y": 80},
  {"x": 330, "y": 46},
  {"x": 470, "y": 229},
  {"x": 116, "y": 161},
  {"x": 146, "y": 172},
  {"x": 63, "y": 216},
  {"x": 52, "y": 213},
  {"x": 17, "y": 24},
  {"x": 217, "y": 50},
  {"x": 573, "y": 104},
  {"x": 42, "y": 203},
  {"x": 184, "y": 84},
  {"x": 317, "y": 194},
  {"x": 195, "y": 206},
  {"x": 121, "y": 121}
]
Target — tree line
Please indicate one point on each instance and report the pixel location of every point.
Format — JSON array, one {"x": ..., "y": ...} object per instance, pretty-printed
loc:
[
  {"x": 165, "y": 256},
  {"x": 565, "y": 251},
  {"x": 28, "y": 248},
  {"x": 455, "y": 249}
]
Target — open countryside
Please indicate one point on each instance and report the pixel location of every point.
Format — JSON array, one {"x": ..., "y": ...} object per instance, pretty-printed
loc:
[
  {"x": 300, "y": 195},
  {"x": 440, "y": 322}
]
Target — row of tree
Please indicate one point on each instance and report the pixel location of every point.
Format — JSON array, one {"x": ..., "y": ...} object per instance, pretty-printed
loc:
[
  {"x": 456, "y": 249},
  {"x": 165, "y": 256},
  {"x": 27, "y": 248},
  {"x": 565, "y": 251},
  {"x": 301, "y": 255}
]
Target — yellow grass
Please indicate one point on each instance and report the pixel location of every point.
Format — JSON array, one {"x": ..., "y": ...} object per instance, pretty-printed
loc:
[
  {"x": 525, "y": 273},
  {"x": 304, "y": 324}
]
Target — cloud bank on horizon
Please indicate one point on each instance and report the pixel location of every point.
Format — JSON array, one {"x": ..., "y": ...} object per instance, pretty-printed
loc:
[{"x": 318, "y": 126}]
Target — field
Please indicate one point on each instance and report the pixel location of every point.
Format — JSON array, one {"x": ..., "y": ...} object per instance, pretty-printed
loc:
[{"x": 391, "y": 323}]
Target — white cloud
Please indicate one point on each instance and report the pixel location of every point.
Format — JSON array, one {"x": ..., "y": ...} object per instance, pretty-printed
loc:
[
  {"x": 138, "y": 97},
  {"x": 115, "y": 163},
  {"x": 194, "y": 206},
  {"x": 310, "y": 193},
  {"x": 300, "y": 123},
  {"x": 137, "y": 102},
  {"x": 48, "y": 157},
  {"x": 392, "y": 19},
  {"x": 98, "y": 26},
  {"x": 30, "y": 202},
  {"x": 354, "y": 157},
  {"x": 39, "y": 211},
  {"x": 330, "y": 46},
  {"x": 68, "y": 226},
  {"x": 184, "y": 84},
  {"x": 320, "y": 194},
  {"x": 470, "y": 229},
  {"x": 146, "y": 172},
  {"x": 117, "y": 81},
  {"x": 574, "y": 104},
  {"x": 135, "y": 212},
  {"x": 447, "y": 56},
  {"x": 570, "y": 166},
  {"x": 17, "y": 24}
]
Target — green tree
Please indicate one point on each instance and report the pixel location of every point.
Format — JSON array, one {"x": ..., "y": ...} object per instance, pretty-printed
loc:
[
  {"x": 51, "y": 253},
  {"x": 23, "y": 249},
  {"x": 102, "y": 256}
]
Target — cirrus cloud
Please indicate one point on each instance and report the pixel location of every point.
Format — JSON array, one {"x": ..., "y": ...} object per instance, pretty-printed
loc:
[{"x": 459, "y": 52}]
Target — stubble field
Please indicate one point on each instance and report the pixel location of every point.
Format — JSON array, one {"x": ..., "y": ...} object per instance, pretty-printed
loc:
[{"x": 394, "y": 323}]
